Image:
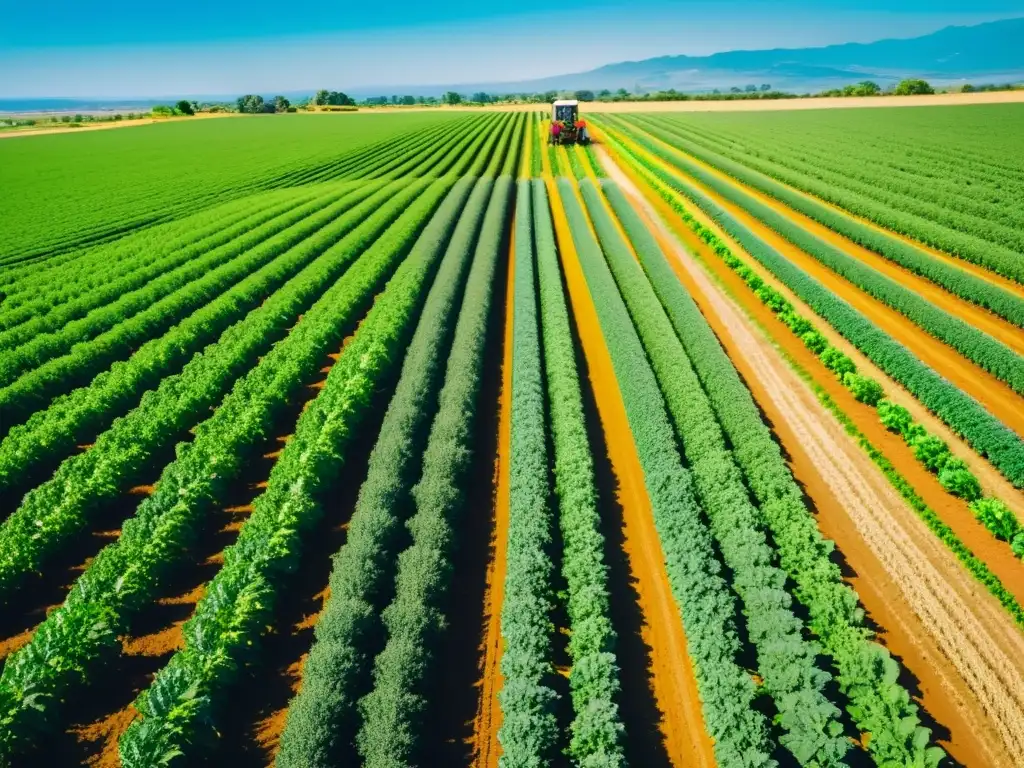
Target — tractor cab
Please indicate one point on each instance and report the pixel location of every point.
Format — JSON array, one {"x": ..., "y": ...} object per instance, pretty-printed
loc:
[{"x": 566, "y": 126}]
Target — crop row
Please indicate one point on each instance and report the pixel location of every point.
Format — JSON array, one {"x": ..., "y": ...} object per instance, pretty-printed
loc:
[
  {"x": 323, "y": 717},
  {"x": 75, "y": 292},
  {"x": 529, "y": 727},
  {"x": 53, "y": 513},
  {"x": 157, "y": 304},
  {"x": 40, "y": 289},
  {"x": 737, "y": 727},
  {"x": 394, "y": 711},
  {"x": 786, "y": 662},
  {"x": 978, "y": 187},
  {"x": 867, "y": 675},
  {"x": 269, "y": 545},
  {"x": 597, "y": 731},
  {"x": 957, "y": 281},
  {"x": 128, "y": 574},
  {"x": 980, "y": 348},
  {"x": 169, "y": 171},
  {"x": 972, "y": 239},
  {"x": 932, "y": 452},
  {"x": 180, "y": 707},
  {"x": 959, "y": 411},
  {"x": 84, "y": 360},
  {"x": 32, "y": 449}
]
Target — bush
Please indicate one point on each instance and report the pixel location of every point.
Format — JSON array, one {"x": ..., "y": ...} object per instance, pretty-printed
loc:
[
  {"x": 930, "y": 451},
  {"x": 815, "y": 342},
  {"x": 913, "y": 87},
  {"x": 894, "y": 417},
  {"x": 837, "y": 362},
  {"x": 864, "y": 389},
  {"x": 999, "y": 519},
  {"x": 958, "y": 480}
]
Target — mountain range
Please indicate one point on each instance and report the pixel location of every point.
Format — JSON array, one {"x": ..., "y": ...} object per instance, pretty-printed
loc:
[{"x": 989, "y": 52}]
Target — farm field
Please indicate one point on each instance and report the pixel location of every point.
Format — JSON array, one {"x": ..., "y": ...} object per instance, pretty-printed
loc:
[{"x": 412, "y": 439}]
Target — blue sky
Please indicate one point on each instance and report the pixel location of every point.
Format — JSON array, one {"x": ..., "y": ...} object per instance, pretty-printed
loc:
[{"x": 119, "y": 48}]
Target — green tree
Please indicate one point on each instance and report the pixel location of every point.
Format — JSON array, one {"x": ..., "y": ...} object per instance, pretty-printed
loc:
[
  {"x": 584, "y": 95},
  {"x": 451, "y": 97},
  {"x": 322, "y": 98},
  {"x": 913, "y": 87},
  {"x": 750, "y": 88},
  {"x": 184, "y": 107},
  {"x": 867, "y": 88},
  {"x": 766, "y": 86},
  {"x": 481, "y": 98},
  {"x": 250, "y": 104},
  {"x": 281, "y": 104}
]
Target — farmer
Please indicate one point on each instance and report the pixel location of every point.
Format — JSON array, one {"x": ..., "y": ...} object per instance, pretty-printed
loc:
[
  {"x": 582, "y": 131},
  {"x": 556, "y": 130}
]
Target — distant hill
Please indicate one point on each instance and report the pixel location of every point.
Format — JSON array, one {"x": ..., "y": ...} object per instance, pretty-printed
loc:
[{"x": 990, "y": 52}]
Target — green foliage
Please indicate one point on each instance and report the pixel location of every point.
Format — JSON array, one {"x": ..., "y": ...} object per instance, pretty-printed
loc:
[
  {"x": 896, "y": 418},
  {"x": 977, "y": 346},
  {"x": 597, "y": 729},
  {"x": 960, "y": 412},
  {"x": 323, "y": 718},
  {"x": 529, "y": 733},
  {"x": 864, "y": 389},
  {"x": 998, "y": 518},
  {"x": 184, "y": 107},
  {"x": 393, "y": 712},
  {"x": 115, "y": 182},
  {"x": 866, "y": 673},
  {"x": 913, "y": 87},
  {"x": 786, "y": 662},
  {"x": 919, "y": 173},
  {"x": 705, "y": 601},
  {"x": 49, "y": 517},
  {"x": 958, "y": 480},
  {"x": 837, "y": 362},
  {"x": 128, "y": 574},
  {"x": 179, "y": 708}
]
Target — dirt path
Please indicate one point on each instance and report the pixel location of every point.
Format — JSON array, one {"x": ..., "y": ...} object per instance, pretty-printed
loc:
[
  {"x": 11, "y": 134},
  {"x": 953, "y": 511},
  {"x": 996, "y": 396},
  {"x": 972, "y": 314},
  {"x": 675, "y": 687},
  {"x": 952, "y": 636},
  {"x": 486, "y": 749}
]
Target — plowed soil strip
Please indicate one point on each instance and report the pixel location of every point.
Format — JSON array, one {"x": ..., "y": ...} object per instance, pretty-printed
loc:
[
  {"x": 485, "y": 746},
  {"x": 996, "y": 396},
  {"x": 952, "y": 636},
  {"x": 675, "y": 687},
  {"x": 953, "y": 511}
]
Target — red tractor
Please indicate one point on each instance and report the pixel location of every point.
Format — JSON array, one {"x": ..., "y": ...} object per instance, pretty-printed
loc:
[{"x": 566, "y": 126}]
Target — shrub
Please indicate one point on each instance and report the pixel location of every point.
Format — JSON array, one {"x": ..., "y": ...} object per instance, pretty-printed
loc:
[
  {"x": 837, "y": 362},
  {"x": 894, "y": 417},
  {"x": 1000, "y": 520},
  {"x": 814, "y": 341},
  {"x": 958, "y": 480},
  {"x": 930, "y": 451},
  {"x": 864, "y": 389}
]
